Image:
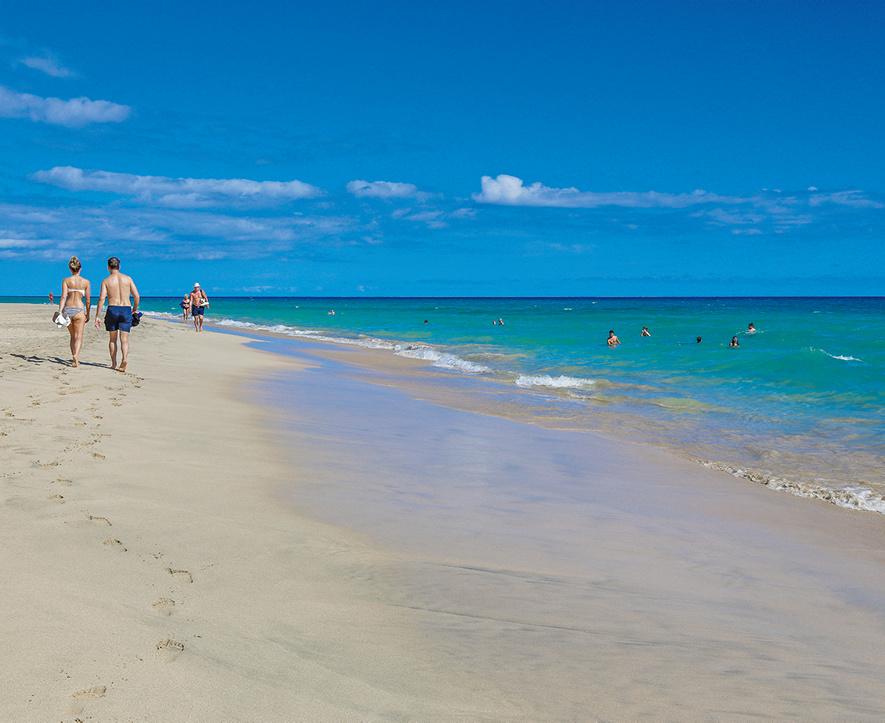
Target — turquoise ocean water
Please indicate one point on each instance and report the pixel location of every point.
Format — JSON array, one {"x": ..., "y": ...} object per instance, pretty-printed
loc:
[{"x": 798, "y": 405}]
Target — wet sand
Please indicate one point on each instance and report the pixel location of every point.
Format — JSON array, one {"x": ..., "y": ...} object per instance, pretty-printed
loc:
[
  {"x": 229, "y": 534},
  {"x": 584, "y": 576}
]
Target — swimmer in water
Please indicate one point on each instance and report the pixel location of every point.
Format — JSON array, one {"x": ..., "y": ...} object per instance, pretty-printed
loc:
[
  {"x": 613, "y": 340},
  {"x": 698, "y": 340},
  {"x": 734, "y": 344},
  {"x": 645, "y": 331},
  {"x": 751, "y": 328}
]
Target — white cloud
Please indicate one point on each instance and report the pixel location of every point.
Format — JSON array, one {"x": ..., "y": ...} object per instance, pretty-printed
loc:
[
  {"x": 74, "y": 112},
  {"x": 383, "y": 189},
  {"x": 46, "y": 64},
  {"x": 28, "y": 232},
  {"x": 854, "y": 199},
  {"x": 507, "y": 190},
  {"x": 177, "y": 192}
]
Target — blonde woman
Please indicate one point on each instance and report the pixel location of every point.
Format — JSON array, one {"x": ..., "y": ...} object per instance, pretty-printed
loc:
[{"x": 75, "y": 305}]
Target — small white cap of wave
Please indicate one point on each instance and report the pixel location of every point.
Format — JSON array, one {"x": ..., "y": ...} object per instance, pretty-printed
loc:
[{"x": 560, "y": 382}]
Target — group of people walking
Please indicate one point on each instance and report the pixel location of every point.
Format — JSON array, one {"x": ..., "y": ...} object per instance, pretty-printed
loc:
[
  {"x": 75, "y": 308},
  {"x": 194, "y": 305}
]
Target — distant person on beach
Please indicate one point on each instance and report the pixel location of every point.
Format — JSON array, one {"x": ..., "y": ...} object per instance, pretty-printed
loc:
[
  {"x": 185, "y": 305},
  {"x": 51, "y": 298},
  {"x": 645, "y": 331},
  {"x": 613, "y": 340},
  {"x": 74, "y": 305},
  {"x": 199, "y": 303},
  {"x": 117, "y": 288},
  {"x": 698, "y": 339},
  {"x": 751, "y": 328},
  {"x": 734, "y": 343}
]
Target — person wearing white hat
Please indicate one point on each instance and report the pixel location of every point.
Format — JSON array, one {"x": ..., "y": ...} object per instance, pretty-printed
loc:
[{"x": 199, "y": 303}]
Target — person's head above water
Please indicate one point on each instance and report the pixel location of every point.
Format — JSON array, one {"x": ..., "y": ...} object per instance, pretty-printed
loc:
[
  {"x": 697, "y": 339},
  {"x": 611, "y": 332},
  {"x": 114, "y": 263}
]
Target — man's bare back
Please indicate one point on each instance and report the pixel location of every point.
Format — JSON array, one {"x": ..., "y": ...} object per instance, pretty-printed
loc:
[{"x": 119, "y": 288}]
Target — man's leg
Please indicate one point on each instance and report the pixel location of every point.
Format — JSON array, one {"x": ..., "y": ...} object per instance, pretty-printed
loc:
[
  {"x": 124, "y": 347},
  {"x": 112, "y": 347}
]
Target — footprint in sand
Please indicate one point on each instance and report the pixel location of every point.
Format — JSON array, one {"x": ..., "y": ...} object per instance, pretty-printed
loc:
[
  {"x": 45, "y": 465},
  {"x": 102, "y": 520},
  {"x": 62, "y": 482},
  {"x": 164, "y": 606},
  {"x": 98, "y": 455},
  {"x": 98, "y": 691},
  {"x": 169, "y": 649},
  {"x": 180, "y": 573},
  {"x": 57, "y": 498},
  {"x": 115, "y": 543}
]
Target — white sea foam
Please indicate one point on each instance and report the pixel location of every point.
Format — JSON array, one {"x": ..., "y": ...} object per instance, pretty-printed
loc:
[
  {"x": 840, "y": 357},
  {"x": 442, "y": 359},
  {"x": 853, "y": 497},
  {"x": 427, "y": 353},
  {"x": 560, "y": 382}
]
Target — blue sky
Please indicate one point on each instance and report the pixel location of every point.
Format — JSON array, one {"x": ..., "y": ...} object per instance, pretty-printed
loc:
[{"x": 403, "y": 148}]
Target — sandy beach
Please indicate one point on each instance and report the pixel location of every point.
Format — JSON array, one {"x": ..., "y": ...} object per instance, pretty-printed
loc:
[
  {"x": 152, "y": 573},
  {"x": 272, "y": 531}
]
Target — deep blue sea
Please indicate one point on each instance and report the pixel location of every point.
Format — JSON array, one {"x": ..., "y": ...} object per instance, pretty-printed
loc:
[{"x": 799, "y": 404}]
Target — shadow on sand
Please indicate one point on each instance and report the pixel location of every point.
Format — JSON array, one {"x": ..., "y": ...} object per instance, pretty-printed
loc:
[{"x": 55, "y": 360}]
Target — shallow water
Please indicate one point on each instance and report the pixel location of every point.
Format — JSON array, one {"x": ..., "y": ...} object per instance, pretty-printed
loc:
[{"x": 798, "y": 406}]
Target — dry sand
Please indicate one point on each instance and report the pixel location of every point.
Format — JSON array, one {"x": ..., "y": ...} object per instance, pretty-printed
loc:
[{"x": 149, "y": 571}]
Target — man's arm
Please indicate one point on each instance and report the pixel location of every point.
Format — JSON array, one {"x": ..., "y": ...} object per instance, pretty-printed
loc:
[
  {"x": 136, "y": 299},
  {"x": 101, "y": 298}
]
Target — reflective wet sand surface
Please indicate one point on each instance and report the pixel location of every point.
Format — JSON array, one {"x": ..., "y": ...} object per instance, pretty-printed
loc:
[{"x": 577, "y": 576}]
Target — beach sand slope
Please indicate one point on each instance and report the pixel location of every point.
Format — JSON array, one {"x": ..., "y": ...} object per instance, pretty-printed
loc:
[{"x": 150, "y": 571}]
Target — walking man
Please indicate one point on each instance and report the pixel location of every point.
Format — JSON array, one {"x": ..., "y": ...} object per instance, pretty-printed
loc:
[
  {"x": 117, "y": 288},
  {"x": 199, "y": 302}
]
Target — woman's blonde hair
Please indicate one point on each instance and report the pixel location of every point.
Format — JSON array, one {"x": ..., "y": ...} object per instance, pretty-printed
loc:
[{"x": 74, "y": 264}]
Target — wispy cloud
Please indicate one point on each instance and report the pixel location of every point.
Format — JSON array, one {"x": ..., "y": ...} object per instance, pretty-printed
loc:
[
  {"x": 383, "y": 189},
  {"x": 178, "y": 192},
  {"x": 432, "y": 217},
  {"x": 853, "y": 199},
  {"x": 46, "y": 63},
  {"x": 74, "y": 112},
  {"x": 31, "y": 231},
  {"x": 507, "y": 190},
  {"x": 768, "y": 210}
]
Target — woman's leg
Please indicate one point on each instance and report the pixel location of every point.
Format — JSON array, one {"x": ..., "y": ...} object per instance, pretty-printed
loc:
[
  {"x": 78, "y": 323},
  {"x": 72, "y": 331}
]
